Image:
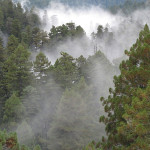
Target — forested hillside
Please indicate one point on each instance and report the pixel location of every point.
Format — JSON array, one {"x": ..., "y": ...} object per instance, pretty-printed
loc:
[
  {"x": 48, "y": 103},
  {"x": 49, "y": 92}
]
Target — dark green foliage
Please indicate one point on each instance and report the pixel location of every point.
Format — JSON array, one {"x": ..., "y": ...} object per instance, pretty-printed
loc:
[
  {"x": 64, "y": 32},
  {"x": 16, "y": 28},
  {"x": 135, "y": 74},
  {"x": 136, "y": 128},
  {"x": 12, "y": 44},
  {"x": 39, "y": 37},
  {"x": 65, "y": 70},
  {"x": 17, "y": 70},
  {"x": 56, "y": 106},
  {"x": 41, "y": 67},
  {"x": 13, "y": 110},
  {"x": 14, "y": 20}
]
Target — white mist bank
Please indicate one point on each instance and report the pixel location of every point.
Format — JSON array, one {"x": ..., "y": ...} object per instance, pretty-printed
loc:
[
  {"x": 125, "y": 28},
  {"x": 88, "y": 18}
]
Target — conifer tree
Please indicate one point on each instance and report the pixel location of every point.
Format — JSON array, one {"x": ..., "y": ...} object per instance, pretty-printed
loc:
[
  {"x": 41, "y": 67},
  {"x": 17, "y": 70},
  {"x": 135, "y": 73},
  {"x": 13, "y": 111},
  {"x": 16, "y": 28},
  {"x": 137, "y": 119},
  {"x": 12, "y": 44},
  {"x": 65, "y": 70}
]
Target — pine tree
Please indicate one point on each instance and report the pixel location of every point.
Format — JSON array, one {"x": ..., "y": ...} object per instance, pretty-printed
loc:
[
  {"x": 65, "y": 70},
  {"x": 137, "y": 119},
  {"x": 16, "y": 28},
  {"x": 12, "y": 44},
  {"x": 135, "y": 73},
  {"x": 13, "y": 111},
  {"x": 17, "y": 70},
  {"x": 41, "y": 67}
]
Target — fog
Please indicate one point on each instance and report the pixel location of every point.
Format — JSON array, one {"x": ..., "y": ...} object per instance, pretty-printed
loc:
[
  {"x": 88, "y": 18},
  {"x": 125, "y": 31}
]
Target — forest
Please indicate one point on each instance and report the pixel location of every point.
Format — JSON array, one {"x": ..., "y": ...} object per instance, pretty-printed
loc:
[{"x": 54, "y": 98}]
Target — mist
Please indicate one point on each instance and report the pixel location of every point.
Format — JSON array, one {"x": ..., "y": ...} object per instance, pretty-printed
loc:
[{"x": 125, "y": 30}]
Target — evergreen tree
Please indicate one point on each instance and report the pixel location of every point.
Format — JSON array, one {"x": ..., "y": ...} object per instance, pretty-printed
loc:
[
  {"x": 41, "y": 67},
  {"x": 17, "y": 70},
  {"x": 65, "y": 70},
  {"x": 135, "y": 73},
  {"x": 65, "y": 32},
  {"x": 12, "y": 44},
  {"x": 28, "y": 34},
  {"x": 31, "y": 102},
  {"x": 13, "y": 111},
  {"x": 136, "y": 126},
  {"x": 16, "y": 28}
]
